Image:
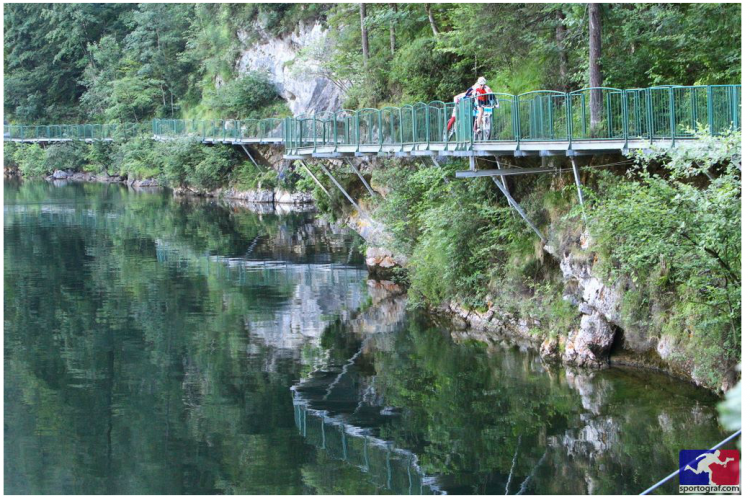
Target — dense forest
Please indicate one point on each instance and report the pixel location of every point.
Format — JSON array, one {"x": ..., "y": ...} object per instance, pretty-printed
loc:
[{"x": 132, "y": 62}]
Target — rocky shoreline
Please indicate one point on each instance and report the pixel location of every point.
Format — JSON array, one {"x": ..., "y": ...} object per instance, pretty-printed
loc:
[
  {"x": 303, "y": 200},
  {"x": 601, "y": 337}
]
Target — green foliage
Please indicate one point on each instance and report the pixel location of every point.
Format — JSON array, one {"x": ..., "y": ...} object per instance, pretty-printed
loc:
[
  {"x": 246, "y": 176},
  {"x": 731, "y": 408},
  {"x": 136, "y": 158},
  {"x": 250, "y": 96},
  {"x": 31, "y": 160},
  {"x": 65, "y": 62},
  {"x": 65, "y": 156},
  {"x": 9, "y": 151},
  {"x": 189, "y": 163},
  {"x": 460, "y": 241},
  {"x": 675, "y": 234},
  {"x": 424, "y": 73}
]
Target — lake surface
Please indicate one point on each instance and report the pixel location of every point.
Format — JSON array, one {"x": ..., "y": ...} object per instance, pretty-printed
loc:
[{"x": 155, "y": 345}]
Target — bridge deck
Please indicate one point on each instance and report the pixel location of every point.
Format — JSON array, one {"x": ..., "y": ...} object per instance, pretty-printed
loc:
[{"x": 495, "y": 148}]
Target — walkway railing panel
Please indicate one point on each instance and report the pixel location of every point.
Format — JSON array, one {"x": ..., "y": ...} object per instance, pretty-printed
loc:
[
  {"x": 503, "y": 117},
  {"x": 543, "y": 115},
  {"x": 597, "y": 113},
  {"x": 436, "y": 121},
  {"x": 408, "y": 125},
  {"x": 421, "y": 121},
  {"x": 368, "y": 127},
  {"x": 89, "y": 131}
]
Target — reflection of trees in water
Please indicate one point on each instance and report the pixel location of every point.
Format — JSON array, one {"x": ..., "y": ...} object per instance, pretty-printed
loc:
[
  {"x": 128, "y": 371},
  {"x": 497, "y": 422},
  {"x": 579, "y": 432}
]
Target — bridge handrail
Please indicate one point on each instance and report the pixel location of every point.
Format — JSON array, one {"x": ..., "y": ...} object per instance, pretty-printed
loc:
[{"x": 663, "y": 112}]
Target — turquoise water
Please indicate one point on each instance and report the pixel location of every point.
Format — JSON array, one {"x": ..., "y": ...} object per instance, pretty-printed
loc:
[{"x": 155, "y": 345}]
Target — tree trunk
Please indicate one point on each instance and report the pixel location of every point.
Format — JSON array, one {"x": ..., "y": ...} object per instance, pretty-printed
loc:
[
  {"x": 560, "y": 33},
  {"x": 595, "y": 66},
  {"x": 365, "y": 36},
  {"x": 394, "y": 6},
  {"x": 433, "y": 25}
]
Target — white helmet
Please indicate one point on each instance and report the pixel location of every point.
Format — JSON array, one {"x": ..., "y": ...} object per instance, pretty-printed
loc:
[{"x": 482, "y": 80}]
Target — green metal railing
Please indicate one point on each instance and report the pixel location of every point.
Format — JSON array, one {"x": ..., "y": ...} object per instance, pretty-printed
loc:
[
  {"x": 590, "y": 114},
  {"x": 219, "y": 130},
  {"x": 73, "y": 131}
]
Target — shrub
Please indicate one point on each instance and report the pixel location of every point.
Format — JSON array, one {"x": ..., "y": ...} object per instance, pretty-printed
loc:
[
  {"x": 136, "y": 158},
  {"x": 248, "y": 96},
  {"x": 66, "y": 156},
  {"x": 31, "y": 160},
  {"x": 211, "y": 171}
]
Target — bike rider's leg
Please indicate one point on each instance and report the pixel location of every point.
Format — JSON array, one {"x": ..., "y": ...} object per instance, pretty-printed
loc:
[
  {"x": 478, "y": 121},
  {"x": 450, "y": 123}
]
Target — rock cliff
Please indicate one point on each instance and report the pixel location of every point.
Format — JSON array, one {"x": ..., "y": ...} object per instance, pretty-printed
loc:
[{"x": 300, "y": 84}]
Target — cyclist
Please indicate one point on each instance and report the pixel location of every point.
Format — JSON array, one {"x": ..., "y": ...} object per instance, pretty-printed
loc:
[
  {"x": 477, "y": 90},
  {"x": 484, "y": 98}
]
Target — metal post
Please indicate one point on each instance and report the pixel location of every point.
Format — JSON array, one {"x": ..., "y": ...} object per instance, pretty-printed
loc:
[
  {"x": 343, "y": 443},
  {"x": 315, "y": 131},
  {"x": 518, "y": 208},
  {"x": 578, "y": 184},
  {"x": 672, "y": 123},
  {"x": 367, "y": 185},
  {"x": 710, "y": 92},
  {"x": 315, "y": 179},
  {"x": 367, "y": 459},
  {"x": 323, "y": 431},
  {"x": 251, "y": 157},
  {"x": 625, "y": 118},
  {"x": 342, "y": 189}
]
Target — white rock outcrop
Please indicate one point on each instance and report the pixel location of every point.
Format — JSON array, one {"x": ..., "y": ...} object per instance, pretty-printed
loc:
[{"x": 302, "y": 87}]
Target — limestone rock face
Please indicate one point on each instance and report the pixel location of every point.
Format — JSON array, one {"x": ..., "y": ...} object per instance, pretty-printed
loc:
[
  {"x": 59, "y": 175},
  {"x": 605, "y": 300},
  {"x": 550, "y": 348},
  {"x": 285, "y": 197},
  {"x": 589, "y": 345},
  {"x": 298, "y": 83},
  {"x": 81, "y": 177},
  {"x": 249, "y": 195},
  {"x": 378, "y": 258}
]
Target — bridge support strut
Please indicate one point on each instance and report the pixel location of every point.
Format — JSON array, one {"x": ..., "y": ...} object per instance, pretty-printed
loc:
[
  {"x": 362, "y": 178},
  {"x": 578, "y": 182},
  {"x": 315, "y": 178},
  {"x": 518, "y": 208},
  {"x": 252, "y": 159},
  {"x": 342, "y": 189}
]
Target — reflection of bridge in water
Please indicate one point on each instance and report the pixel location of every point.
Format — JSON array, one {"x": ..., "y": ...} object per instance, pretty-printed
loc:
[
  {"x": 337, "y": 409},
  {"x": 388, "y": 467}
]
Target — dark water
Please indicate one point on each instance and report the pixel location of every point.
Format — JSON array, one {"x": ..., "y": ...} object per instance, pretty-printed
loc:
[{"x": 158, "y": 346}]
